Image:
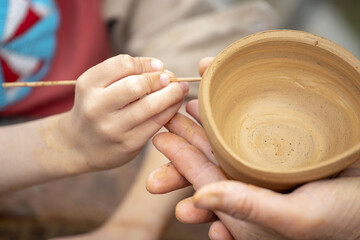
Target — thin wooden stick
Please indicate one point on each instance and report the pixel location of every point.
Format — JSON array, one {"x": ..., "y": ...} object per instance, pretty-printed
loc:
[
  {"x": 39, "y": 84},
  {"x": 73, "y": 82},
  {"x": 186, "y": 79}
]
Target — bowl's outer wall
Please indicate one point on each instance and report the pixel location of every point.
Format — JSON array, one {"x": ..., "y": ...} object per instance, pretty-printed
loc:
[{"x": 237, "y": 169}]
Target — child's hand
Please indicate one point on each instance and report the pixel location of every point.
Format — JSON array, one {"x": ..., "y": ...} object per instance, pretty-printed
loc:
[{"x": 119, "y": 105}]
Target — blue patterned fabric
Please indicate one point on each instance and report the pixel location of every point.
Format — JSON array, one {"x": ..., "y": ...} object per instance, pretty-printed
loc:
[{"x": 36, "y": 44}]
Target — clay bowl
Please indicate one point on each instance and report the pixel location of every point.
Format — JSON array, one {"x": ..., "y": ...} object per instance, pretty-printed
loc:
[{"x": 281, "y": 108}]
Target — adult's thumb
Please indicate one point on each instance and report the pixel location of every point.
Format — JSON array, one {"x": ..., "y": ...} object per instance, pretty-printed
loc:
[{"x": 251, "y": 204}]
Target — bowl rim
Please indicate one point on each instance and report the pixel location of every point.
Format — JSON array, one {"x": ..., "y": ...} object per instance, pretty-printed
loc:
[{"x": 210, "y": 126}]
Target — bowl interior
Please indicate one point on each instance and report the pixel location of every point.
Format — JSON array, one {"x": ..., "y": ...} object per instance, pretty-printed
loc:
[{"x": 283, "y": 105}]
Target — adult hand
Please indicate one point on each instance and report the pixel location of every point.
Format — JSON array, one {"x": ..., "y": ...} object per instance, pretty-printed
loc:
[{"x": 326, "y": 209}]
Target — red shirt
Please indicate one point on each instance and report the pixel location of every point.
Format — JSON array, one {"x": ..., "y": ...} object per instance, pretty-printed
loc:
[{"x": 82, "y": 43}]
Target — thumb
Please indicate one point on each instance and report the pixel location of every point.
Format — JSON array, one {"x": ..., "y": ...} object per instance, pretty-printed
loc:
[{"x": 252, "y": 204}]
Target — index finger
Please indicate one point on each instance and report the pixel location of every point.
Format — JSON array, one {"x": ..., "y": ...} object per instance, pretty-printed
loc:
[
  {"x": 118, "y": 67},
  {"x": 193, "y": 133},
  {"x": 188, "y": 160},
  {"x": 192, "y": 108}
]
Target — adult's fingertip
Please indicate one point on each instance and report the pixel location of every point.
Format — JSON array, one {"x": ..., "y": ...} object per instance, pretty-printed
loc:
[
  {"x": 207, "y": 59},
  {"x": 157, "y": 138},
  {"x": 192, "y": 107},
  {"x": 151, "y": 183},
  {"x": 165, "y": 179},
  {"x": 204, "y": 63},
  {"x": 186, "y": 212},
  {"x": 192, "y": 103},
  {"x": 218, "y": 231}
]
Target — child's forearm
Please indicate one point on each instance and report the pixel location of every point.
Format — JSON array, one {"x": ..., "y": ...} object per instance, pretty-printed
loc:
[
  {"x": 36, "y": 152},
  {"x": 119, "y": 105}
]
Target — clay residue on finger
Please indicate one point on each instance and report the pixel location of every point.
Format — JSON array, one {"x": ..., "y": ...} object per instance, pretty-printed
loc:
[
  {"x": 165, "y": 179},
  {"x": 208, "y": 200}
]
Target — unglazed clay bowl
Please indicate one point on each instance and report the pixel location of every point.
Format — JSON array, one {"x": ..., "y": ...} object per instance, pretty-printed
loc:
[{"x": 281, "y": 108}]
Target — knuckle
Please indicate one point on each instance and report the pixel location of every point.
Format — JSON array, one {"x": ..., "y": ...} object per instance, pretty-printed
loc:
[
  {"x": 126, "y": 58},
  {"x": 140, "y": 64},
  {"x": 105, "y": 130},
  {"x": 128, "y": 63},
  {"x": 133, "y": 117},
  {"x": 90, "y": 111},
  {"x": 125, "y": 61},
  {"x": 84, "y": 80},
  {"x": 81, "y": 86},
  {"x": 88, "y": 74},
  {"x": 205, "y": 170},
  {"x": 181, "y": 149},
  {"x": 242, "y": 209},
  {"x": 148, "y": 83},
  {"x": 136, "y": 86}
]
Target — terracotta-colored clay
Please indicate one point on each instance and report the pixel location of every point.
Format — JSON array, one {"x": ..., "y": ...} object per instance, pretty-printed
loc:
[{"x": 281, "y": 108}]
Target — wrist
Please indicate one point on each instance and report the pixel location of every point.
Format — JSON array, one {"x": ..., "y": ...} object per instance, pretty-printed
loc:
[{"x": 63, "y": 156}]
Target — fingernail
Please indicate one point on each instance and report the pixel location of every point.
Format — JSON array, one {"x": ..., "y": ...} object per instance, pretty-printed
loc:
[
  {"x": 164, "y": 79},
  {"x": 157, "y": 65},
  {"x": 207, "y": 200},
  {"x": 185, "y": 86}
]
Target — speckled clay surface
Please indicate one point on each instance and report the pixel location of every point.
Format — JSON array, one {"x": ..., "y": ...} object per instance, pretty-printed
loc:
[{"x": 281, "y": 108}]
